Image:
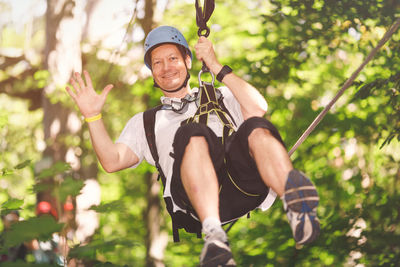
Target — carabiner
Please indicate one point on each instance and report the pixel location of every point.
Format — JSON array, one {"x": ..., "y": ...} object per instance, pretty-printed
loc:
[{"x": 201, "y": 82}]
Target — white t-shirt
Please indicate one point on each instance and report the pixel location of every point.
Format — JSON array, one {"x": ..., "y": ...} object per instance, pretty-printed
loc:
[{"x": 167, "y": 123}]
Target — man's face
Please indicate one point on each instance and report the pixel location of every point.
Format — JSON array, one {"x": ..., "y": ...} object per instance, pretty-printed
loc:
[{"x": 168, "y": 66}]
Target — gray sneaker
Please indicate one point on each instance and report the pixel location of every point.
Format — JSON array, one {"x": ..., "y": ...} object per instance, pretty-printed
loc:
[
  {"x": 216, "y": 250},
  {"x": 300, "y": 202}
]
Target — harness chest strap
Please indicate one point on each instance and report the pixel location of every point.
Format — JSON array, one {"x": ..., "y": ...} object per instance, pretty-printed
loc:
[{"x": 208, "y": 104}]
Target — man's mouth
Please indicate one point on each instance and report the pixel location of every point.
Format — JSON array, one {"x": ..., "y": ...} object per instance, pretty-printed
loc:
[{"x": 169, "y": 75}]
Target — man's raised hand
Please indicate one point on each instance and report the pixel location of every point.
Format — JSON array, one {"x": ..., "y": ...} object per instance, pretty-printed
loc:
[
  {"x": 88, "y": 101},
  {"x": 205, "y": 52}
]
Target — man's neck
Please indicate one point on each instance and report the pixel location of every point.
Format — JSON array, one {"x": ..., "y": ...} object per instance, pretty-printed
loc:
[{"x": 180, "y": 94}]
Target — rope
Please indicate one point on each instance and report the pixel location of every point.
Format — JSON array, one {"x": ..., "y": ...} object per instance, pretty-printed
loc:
[
  {"x": 349, "y": 81},
  {"x": 116, "y": 52}
]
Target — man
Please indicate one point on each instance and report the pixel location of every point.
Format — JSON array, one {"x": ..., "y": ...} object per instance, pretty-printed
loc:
[{"x": 214, "y": 182}]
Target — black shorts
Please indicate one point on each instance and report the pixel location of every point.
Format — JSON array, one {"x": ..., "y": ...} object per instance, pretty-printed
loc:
[{"x": 241, "y": 187}]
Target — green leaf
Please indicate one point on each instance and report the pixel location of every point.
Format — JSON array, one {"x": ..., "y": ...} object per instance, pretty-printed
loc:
[
  {"x": 37, "y": 188},
  {"x": 22, "y": 164},
  {"x": 24, "y": 264},
  {"x": 70, "y": 187},
  {"x": 58, "y": 168},
  {"x": 12, "y": 204},
  {"x": 5, "y": 172},
  {"x": 116, "y": 205},
  {"x": 90, "y": 250},
  {"x": 40, "y": 228}
]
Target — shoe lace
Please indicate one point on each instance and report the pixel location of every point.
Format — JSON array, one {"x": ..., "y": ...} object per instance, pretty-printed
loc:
[{"x": 215, "y": 234}]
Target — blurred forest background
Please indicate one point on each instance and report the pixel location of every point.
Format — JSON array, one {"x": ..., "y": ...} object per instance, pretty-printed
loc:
[{"x": 298, "y": 53}]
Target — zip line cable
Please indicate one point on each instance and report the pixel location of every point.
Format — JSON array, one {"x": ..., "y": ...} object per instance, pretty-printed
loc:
[
  {"x": 117, "y": 51},
  {"x": 346, "y": 85}
]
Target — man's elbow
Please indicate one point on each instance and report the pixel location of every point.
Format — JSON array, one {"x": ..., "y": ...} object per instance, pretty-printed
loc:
[
  {"x": 109, "y": 168},
  {"x": 259, "y": 113},
  {"x": 260, "y": 110},
  {"x": 255, "y": 111}
]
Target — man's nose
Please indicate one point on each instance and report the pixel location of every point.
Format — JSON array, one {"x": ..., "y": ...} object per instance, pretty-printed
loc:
[{"x": 166, "y": 65}]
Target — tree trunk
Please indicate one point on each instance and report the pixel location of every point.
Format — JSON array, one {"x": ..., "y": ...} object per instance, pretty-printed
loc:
[
  {"x": 62, "y": 57},
  {"x": 156, "y": 240}
]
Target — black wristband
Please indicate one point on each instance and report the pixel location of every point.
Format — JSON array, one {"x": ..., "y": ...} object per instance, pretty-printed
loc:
[{"x": 224, "y": 71}]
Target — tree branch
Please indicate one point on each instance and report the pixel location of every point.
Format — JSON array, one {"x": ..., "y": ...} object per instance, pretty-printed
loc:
[
  {"x": 9, "y": 61},
  {"x": 34, "y": 94}
]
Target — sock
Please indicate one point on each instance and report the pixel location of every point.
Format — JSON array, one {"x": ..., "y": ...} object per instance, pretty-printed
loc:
[{"x": 212, "y": 229}]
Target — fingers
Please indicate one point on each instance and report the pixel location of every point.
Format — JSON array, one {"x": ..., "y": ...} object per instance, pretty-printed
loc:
[
  {"x": 80, "y": 80},
  {"x": 202, "y": 39},
  {"x": 77, "y": 82},
  {"x": 88, "y": 79},
  {"x": 74, "y": 85},
  {"x": 106, "y": 90},
  {"x": 70, "y": 92}
]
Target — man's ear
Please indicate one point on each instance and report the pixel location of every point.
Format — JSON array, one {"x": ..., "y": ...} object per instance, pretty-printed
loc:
[{"x": 188, "y": 62}]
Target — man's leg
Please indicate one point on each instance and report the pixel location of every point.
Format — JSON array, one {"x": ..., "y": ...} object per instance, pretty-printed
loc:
[
  {"x": 299, "y": 195},
  {"x": 200, "y": 179},
  {"x": 200, "y": 182},
  {"x": 271, "y": 158}
]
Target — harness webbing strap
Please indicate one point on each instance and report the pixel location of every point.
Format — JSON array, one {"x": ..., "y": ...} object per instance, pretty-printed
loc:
[
  {"x": 179, "y": 220},
  {"x": 149, "y": 120},
  {"x": 203, "y": 15},
  {"x": 208, "y": 104}
]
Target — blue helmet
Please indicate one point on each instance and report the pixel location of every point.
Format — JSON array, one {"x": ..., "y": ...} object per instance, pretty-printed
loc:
[{"x": 163, "y": 35}]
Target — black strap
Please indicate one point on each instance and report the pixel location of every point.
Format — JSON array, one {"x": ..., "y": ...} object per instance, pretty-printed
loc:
[
  {"x": 209, "y": 103},
  {"x": 179, "y": 219},
  {"x": 203, "y": 15},
  {"x": 149, "y": 121}
]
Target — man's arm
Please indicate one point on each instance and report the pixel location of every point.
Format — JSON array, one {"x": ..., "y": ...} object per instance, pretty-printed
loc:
[
  {"x": 252, "y": 103},
  {"x": 113, "y": 157}
]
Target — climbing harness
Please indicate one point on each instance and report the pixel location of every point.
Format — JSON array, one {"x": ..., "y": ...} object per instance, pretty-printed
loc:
[
  {"x": 209, "y": 100},
  {"x": 208, "y": 96},
  {"x": 209, "y": 103},
  {"x": 179, "y": 105}
]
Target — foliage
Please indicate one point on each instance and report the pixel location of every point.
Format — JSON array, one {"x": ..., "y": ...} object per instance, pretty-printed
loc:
[{"x": 298, "y": 53}]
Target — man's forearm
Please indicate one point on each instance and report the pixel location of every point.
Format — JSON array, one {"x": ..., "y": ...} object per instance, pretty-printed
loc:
[{"x": 113, "y": 157}]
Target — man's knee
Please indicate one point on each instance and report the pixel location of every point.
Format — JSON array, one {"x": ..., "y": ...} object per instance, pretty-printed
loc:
[
  {"x": 197, "y": 144},
  {"x": 259, "y": 134},
  {"x": 191, "y": 137},
  {"x": 187, "y": 131},
  {"x": 257, "y": 129},
  {"x": 197, "y": 141},
  {"x": 259, "y": 137}
]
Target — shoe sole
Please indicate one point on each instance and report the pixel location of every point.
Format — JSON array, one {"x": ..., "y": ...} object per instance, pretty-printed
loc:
[
  {"x": 223, "y": 259},
  {"x": 302, "y": 198}
]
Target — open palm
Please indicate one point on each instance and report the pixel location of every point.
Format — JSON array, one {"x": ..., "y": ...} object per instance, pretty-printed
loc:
[{"x": 88, "y": 101}]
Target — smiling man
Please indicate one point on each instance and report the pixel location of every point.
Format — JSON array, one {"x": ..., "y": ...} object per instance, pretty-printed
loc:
[{"x": 210, "y": 178}]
